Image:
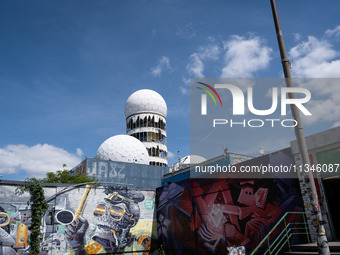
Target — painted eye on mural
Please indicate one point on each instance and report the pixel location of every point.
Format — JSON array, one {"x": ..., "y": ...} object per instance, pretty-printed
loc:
[
  {"x": 99, "y": 210},
  {"x": 117, "y": 212}
]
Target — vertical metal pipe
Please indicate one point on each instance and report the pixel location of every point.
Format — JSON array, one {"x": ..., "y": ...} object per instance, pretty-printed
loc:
[{"x": 300, "y": 138}]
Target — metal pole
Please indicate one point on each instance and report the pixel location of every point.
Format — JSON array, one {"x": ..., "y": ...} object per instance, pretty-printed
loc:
[{"x": 300, "y": 138}]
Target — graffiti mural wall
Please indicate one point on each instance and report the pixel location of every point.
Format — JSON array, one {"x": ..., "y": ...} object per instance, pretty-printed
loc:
[
  {"x": 93, "y": 220},
  {"x": 208, "y": 216}
]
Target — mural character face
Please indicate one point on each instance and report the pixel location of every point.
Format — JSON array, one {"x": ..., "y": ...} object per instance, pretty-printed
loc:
[
  {"x": 247, "y": 196},
  {"x": 114, "y": 217}
]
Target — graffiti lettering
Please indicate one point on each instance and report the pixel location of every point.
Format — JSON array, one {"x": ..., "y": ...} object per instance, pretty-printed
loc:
[{"x": 106, "y": 169}]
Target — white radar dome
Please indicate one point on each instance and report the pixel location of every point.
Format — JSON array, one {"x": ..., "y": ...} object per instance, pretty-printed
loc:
[
  {"x": 192, "y": 159},
  {"x": 189, "y": 160},
  {"x": 123, "y": 148},
  {"x": 145, "y": 101}
]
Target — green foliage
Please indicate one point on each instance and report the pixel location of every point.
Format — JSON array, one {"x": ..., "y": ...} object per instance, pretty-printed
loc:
[
  {"x": 38, "y": 203},
  {"x": 64, "y": 176},
  {"x": 38, "y": 208}
]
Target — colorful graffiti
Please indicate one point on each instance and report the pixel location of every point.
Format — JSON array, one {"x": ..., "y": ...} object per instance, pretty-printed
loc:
[
  {"x": 211, "y": 216},
  {"x": 89, "y": 220}
]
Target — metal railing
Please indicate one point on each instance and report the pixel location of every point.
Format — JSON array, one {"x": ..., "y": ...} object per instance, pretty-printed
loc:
[{"x": 275, "y": 242}]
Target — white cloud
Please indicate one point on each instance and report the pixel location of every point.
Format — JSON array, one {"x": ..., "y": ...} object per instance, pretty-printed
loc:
[
  {"x": 79, "y": 152},
  {"x": 333, "y": 32},
  {"x": 186, "y": 81},
  {"x": 315, "y": 58},
  {"x": 170, "y": 154},
  {"x": 195, "y": 66},
  {"x": 323, "y": 110},
  {"x": 325, "y": 103},
  {"x": 242, "y": 58},
  {"x": 184, "y": 91},
  {"x": 245, "y": 56},
  {"x": 187, "y": 31},
  {"x": 163, "y": 64},
  {"x": 36, "y": 160},
  {"x": 318, "y": 58},
  {"x": 208, "y": 52},
  {"x": 297, "y": 36}
]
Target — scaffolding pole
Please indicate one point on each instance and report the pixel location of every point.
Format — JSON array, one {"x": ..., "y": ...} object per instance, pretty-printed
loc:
[{"x": 300, "y": 138}]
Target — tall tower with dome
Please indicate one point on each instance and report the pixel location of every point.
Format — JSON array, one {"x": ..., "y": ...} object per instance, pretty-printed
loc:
[{"x": 145, "y": 112}]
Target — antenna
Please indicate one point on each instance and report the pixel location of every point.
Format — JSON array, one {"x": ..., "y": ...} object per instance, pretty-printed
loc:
[
  {"x": 179, "y": 161},
  {"x": 225, "y": 152}
]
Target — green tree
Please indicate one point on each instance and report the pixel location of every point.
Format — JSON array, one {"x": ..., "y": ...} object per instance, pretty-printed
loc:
[
  {"x": 64, "y": 176},
  {"x": 38, "y": 208},
  {"x": 38, "y": 203}
]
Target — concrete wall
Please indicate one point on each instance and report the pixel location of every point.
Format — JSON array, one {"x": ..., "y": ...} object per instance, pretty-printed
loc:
[
  {"x": 320, "y": 142},
  {"x": 323, "y": 148},
  {"x": 138, "y": 175}
]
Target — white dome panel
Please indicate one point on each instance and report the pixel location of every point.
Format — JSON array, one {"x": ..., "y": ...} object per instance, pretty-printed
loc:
[
  {"x": 145, "y": 101},
  {"x": 123, "y": 148}
]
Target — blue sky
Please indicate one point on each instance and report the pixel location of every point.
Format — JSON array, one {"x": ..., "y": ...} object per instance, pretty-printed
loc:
[{"x": 67, "y": 68}]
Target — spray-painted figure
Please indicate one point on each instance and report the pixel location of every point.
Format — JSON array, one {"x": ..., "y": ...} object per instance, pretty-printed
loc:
[
  {"x": 13, "y": 236},
  {"x": 114, "y": 217}
]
